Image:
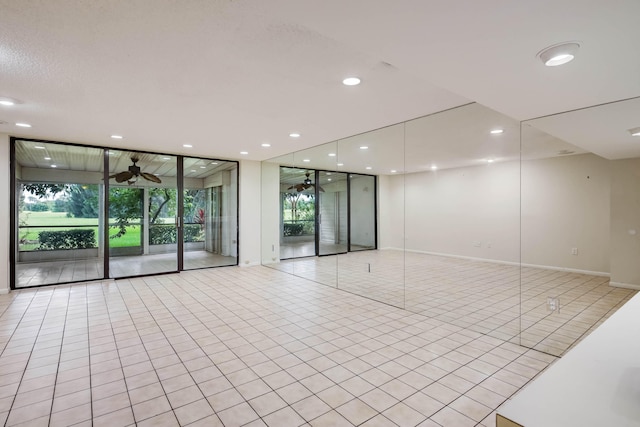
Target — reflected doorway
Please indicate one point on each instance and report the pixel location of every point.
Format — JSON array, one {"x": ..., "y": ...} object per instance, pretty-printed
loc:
[{"x": 321, "y": 215}]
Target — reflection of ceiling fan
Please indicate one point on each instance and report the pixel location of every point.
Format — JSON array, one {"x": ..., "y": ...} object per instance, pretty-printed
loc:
[
  {"x": 131, "y": 175},
  {"x": 304, "y": 185}
]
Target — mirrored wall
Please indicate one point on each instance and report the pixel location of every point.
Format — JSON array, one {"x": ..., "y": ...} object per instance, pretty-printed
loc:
[
  {"x": 481, "y": 222},
  {"x": 85, "y": 213}
]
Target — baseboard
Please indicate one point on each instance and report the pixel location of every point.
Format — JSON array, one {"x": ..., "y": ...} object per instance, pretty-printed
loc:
[
  {"x": 569, "y": 270},
  {"x": 625, "y": 285},
  {"x": 4, "y": 291},
  {"x": 512, "y": 263}
]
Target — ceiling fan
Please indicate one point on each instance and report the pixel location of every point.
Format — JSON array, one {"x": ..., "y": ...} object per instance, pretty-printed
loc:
[
  {"x": 304, "y": 185},
  {"x": 131, "y": 175}
]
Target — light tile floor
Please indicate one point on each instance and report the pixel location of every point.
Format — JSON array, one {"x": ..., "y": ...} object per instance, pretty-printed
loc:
[
  {"x": 53, "y": 272},
  {"x": 502, "y": 301},
  {"x": 243, "y": 346}
]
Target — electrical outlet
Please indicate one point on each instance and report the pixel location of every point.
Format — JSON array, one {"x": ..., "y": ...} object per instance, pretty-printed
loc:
[{"x": 574, "y": 251}]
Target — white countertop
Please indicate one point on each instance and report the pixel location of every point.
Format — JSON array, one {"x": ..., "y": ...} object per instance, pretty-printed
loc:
[{"x": 597, "y": 383}]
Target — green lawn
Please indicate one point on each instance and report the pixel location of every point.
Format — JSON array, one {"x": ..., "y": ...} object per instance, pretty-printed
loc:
[{"x": 44, "y": 219}]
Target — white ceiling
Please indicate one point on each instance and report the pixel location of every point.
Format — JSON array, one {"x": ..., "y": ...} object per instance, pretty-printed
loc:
[{"x": 227, "y": 76}]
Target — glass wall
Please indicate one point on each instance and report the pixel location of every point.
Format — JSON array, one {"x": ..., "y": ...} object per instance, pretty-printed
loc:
[
  {"x": 210, "y": 213},
  {"x": 526, "y": 232},
  {"x": 155, "y": 213},
  {"x": 142, "y": 214},
  {"x": 580, "y": 210},
  {"x": 58, "y": 211}
]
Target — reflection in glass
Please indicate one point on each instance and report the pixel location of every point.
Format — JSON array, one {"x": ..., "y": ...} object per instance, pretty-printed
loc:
[
  {"x": 333, "y": 220},
  {"x": 362, "y": 196},
  {"x": 297, "y": 213},
  {"x": 58, "y": 213},
  {"x": 210, "y": 213},
  {"x": 142, "y": 214}
]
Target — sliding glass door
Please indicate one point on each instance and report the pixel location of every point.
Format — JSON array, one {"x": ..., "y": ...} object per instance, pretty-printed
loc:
[
  {"x": 147, "y": 214},
  {"x": 142, "y": 214},
  {"x": 210, "y": 214}
]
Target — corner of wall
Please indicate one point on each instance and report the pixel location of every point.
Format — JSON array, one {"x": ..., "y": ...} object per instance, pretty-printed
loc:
[
  {"x": 5, "y": 183},
  {"x": 249, "y": 213}
]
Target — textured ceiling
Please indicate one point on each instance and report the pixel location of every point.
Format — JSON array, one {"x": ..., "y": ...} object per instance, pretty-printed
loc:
[{"x": 227, "y": 76}]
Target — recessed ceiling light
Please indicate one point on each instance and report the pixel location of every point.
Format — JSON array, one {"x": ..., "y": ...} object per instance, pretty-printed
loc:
[
  {"x": 39, "y": 147},
  {"x": 214, "y": 163},
  {"x": 340, "y": 164},
  {"x": 203, "y": 167},
  {"x": 490, "y": 160},
  {"x": 559, "y": 54},
  {"x": 635, "y": 131},
  {"x": 193, "y": 170},
  {"x": 116, "y": 136},
  {"x": 23, "y": 125},
  {"x": 166, "y": 158},
  {"x": 8, "y": 102},
  {"x": 328, "y": 179},
  {"x": 393, "y": 171},
  {"x": 368, "y": 168},
  {"x": 332, "y": 154},
  {"x": 328, "y": 173},
  {"x": 244, "y": 153},
  {"x": 54, "y": 166},
  {"x": 47, "y": 158},
  {"x": 266, "y": 145},
  {"x": 294, "y": 135},
  {"x": 497, "y": 131},
  {"x": 187, "y": 145},
  {"x": 351, "y": 81},
  {"x": 306, "y": 160},
  {"x": 434, "y": 167},
  {"x": 364, "y": 147}
]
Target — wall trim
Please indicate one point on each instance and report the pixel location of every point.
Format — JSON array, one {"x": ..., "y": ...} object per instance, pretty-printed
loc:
[
  {"x": 4, "y": 291},
  {"x": 624, "y": 285},
  {"x": 516, "y": 264}
]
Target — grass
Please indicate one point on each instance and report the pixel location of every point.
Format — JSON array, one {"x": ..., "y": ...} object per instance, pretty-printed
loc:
[{"x": 44, "y": 220}]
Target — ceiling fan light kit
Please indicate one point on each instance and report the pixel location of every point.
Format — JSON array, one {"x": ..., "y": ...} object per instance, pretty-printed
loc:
[
  {"x": 133, "y": 173},
  {"x": 304, "y": 185}
]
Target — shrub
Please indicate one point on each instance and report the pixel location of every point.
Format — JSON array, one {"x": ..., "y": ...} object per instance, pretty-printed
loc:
[
  {"x": 37, "y": 207},
  {"x": 193, "y": 233},
  {"x": 67, "y": 239},
  {"x": 293, "y": 229},
  {"x": 161, "y": 235}
]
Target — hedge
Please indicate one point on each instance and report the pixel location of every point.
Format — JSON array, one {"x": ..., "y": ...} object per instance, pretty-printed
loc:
[
  {"x": 160, "y": 235},
  {"x": 67, "y": 239},
  {"x": 293, "y": 229}
]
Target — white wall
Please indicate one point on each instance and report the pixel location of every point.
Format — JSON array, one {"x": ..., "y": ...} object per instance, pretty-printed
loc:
[
  {"x": 362, "y": 193},
  {"x": 471, "y": 212},
  {"x": 625, "y": 223},
  {"x": 565, "y": 205},
  {"x": 475, "y": 212},
  {"x": 391, "y": 212},
  {"x": 270, "y": 212},
  {"x": 250, "y": 185},
  {"x": 5, "y": 190}
]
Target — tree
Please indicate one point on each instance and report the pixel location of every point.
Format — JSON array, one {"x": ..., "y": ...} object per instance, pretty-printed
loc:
[
  {"x": 83, "y": 200},
  {"x": 125, "y": 205}
]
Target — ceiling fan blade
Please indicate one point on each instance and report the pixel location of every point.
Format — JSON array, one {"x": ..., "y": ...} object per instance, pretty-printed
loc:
[
  {"x": 150, "y": 177},
  {"x": 122, "y": 176},
  {"x": 320, "y": 188}
]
